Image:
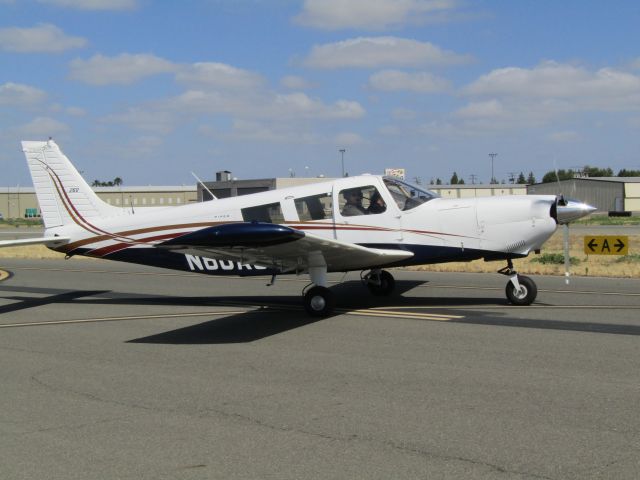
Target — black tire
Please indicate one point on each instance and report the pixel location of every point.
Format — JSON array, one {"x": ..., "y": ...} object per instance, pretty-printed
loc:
[
  {"x": 319, "y": 302},
  {"x": 386, "y": 287},
  {"x": 528, "y": 293}
]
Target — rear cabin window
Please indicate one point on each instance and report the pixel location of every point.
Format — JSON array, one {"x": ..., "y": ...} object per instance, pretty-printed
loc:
[
  {"x": 315, "y": 207},
  {"x": 361, "y": 201},
  {"x": 269, "y": 213}
]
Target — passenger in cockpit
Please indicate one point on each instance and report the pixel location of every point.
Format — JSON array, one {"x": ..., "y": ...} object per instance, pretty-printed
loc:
[
  {"x": 353, "y": 206},
  {"x": 377, "y": 204}
]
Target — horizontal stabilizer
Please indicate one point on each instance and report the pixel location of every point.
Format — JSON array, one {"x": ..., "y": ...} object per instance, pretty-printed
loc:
[{"x": 47, "y": 241}]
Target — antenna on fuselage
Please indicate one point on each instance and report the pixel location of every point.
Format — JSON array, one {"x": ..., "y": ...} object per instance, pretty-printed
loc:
[{"x": 204, "y": 186}]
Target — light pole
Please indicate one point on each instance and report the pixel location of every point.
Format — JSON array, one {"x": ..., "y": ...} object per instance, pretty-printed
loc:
[
  {"x": 342, "y": 150},
  {"x": 493, "y": 178}
]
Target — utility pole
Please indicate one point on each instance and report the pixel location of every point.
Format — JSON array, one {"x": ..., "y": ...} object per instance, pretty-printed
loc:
[
  {"x": 342, "y": 150},
  {"x": 473, "y": 177},
  {"x": 493, "y": 178}
]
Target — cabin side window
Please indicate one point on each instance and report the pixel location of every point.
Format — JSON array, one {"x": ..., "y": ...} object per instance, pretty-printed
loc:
[
  {"x": 364, "y": 200},
  {"x": 269, "y": 213},
  {"x": 315, "y": 207}
]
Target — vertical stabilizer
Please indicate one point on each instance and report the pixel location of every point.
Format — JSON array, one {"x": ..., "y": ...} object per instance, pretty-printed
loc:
[{"x": 63, "y": 195}]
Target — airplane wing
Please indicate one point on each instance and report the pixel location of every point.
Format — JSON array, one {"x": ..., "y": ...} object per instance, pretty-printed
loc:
[
  {"x": 280, "y": 247},
  {"x": 48, "y": 241}
]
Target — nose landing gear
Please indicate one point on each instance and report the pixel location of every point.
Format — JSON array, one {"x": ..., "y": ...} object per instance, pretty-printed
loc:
[{"x": 520, "y": 290}]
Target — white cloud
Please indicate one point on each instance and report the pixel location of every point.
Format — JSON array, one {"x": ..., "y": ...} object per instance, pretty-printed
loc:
[
  {"x": 370, "y": 14},
  {"x": 404, "y": 114},
  {"x": 564, "y": 137},
  {"x": 149, "y": 120},
  {"x": 273, "y": 106},
  {"x": 43, "y": 38},
  {"x": 93, "y": 4},
  {"x": 374, "y": 52},
  {"x": 604, "y": 89},
  {"x": 41, "y": 127},
  {"x": 347, "y": 139},
  {"x": 491, "y": 109},
  {"x": 16, "y": 94},
  {"x": 293, "y": 82},
  {"x": 124, "y": 69},
  {"x": 418, "y": 82},
  {"x": 75, "y": 111},
  {"x": 271, "y": 133},
  {"x": 515, "y": 97},
  {"x": 218, "y": 76}
]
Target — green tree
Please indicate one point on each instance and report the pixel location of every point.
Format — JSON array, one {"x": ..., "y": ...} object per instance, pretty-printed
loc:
[
  {"x": 562, "y": 175},
  {"x": 438, "y": 181},
  {"x": 531, "y": 179},
  {"x": 521, "y": 180},
  {"x": 454, "y": 179},
  {"x": 628, "y": 173},
  {"x": 597, "y": 172}
]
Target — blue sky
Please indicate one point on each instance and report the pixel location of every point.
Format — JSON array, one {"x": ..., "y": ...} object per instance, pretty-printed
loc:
[{"x": 151, "y": 90}]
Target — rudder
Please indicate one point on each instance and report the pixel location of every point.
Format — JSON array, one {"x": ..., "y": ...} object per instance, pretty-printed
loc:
[{"x": 63, "y": 195}]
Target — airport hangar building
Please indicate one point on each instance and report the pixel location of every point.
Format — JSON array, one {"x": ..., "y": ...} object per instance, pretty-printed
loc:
[{"x": 607, "y": 194}]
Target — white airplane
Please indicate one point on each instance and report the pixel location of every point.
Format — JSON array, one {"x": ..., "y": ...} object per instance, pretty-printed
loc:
[{"x": 364, "y": 223}]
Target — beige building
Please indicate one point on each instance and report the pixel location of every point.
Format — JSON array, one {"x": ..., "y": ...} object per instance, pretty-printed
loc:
[
  {"x": 21, "y": 202},
  {"x": 467, "y": 191}
]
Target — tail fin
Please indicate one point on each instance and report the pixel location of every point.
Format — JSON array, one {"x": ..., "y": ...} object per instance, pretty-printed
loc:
[{"x": 63, "y": 195}]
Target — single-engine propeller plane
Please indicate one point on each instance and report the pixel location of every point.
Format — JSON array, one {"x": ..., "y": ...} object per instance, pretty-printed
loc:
[{"x": 363, "y": 223}]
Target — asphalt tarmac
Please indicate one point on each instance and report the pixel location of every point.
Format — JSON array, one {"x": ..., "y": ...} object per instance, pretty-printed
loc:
[{"x": 119, "y": 371}]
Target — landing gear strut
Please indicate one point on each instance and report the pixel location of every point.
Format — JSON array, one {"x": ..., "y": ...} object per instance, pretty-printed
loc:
[
  {"x": 379, "y": 282},
  {"x": 318, "y": 300},
  {"x": 520, "y": 290}
]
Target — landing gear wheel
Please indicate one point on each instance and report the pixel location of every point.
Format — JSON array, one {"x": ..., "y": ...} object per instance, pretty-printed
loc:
[
  {"x": 527, "y": 293},
  {"x": 383, "y": 285},
  {"x": 319, "y": 302}
]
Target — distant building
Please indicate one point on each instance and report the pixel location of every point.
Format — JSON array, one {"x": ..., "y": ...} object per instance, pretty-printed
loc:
[
  {"x": 225, "y": 186},
  {"x": 21, "y": 202},
  {"x": 478, "y": 190},
  {"x": 607, "y": 194}
]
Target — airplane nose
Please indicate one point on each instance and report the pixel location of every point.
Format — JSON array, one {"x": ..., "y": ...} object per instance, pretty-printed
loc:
[{"x": 569, "y": 210}]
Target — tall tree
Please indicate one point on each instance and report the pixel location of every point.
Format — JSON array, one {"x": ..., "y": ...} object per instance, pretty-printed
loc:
[
  {"x": 521, "y": 180},
  {"x": 531, "y": 179},
  {"x": 454, "y": 179}
]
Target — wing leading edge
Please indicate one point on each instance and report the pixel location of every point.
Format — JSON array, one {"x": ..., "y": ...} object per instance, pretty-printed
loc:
[{"x": 280, "y": 247}]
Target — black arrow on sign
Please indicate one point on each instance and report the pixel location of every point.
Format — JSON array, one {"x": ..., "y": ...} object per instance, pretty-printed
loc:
[
  {"x": 619, "y": 245},
  {"x": 592, "y": 244}
]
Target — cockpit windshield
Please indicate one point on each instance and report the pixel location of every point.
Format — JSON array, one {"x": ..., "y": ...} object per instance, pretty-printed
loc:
[{"x": 407, "y": 196}]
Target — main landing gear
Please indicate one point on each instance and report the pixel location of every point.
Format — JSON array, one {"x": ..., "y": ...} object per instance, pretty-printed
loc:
[
  {"x": 319, "y": 301},
  {"x": 520, "y": 290},
  {"x": 379, "y": 282}
]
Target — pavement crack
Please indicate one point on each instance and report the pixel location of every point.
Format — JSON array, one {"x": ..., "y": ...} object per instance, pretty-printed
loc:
[{"x": 395, "y": 446}]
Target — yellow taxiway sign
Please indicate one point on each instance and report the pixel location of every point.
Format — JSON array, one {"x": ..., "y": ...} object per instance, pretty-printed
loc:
[{"x": 606, "y": 245}]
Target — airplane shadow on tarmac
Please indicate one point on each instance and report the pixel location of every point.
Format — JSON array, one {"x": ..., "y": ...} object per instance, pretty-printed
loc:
[{"x": 273, "y": 315}]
